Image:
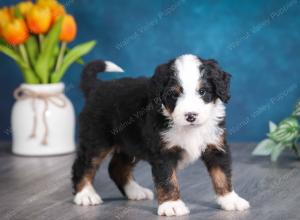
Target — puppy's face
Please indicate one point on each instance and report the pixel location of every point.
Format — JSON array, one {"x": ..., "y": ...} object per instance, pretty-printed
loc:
[{"x": 191, "y": 90}]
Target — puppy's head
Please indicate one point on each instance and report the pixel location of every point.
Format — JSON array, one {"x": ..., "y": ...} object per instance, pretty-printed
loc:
[{"x": 191, "y": 90}]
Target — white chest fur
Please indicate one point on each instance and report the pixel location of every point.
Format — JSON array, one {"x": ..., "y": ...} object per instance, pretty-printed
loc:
[{"x": 193, "y": 140}]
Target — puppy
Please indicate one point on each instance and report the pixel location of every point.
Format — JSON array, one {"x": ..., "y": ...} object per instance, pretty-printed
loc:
[{"x": 170, "y": 120}]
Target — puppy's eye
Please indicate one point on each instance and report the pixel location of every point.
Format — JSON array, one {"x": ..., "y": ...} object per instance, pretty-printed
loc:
[{"x": 202, "y": 92}]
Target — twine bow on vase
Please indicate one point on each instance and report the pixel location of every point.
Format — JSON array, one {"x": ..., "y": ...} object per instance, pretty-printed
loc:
[{"x": 54, "y": 98}]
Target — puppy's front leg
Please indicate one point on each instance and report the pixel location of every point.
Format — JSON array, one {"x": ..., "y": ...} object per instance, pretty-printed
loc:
[
  {"x": 218, "y": 164},
  {"x": 167, "y": 190}
]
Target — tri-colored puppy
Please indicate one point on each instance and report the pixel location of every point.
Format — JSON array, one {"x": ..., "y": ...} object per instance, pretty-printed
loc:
[{"x": 170, "y": 120}]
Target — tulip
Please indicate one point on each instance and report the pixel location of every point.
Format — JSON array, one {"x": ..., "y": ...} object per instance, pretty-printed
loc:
[
  {"x": 24, "y": 7},
  {"x": 67, "y": 34},
  {"x": 38, "y": 19},
  {"x": 5, "y": 17},
  {"x": 68, "y": 29},
  {"x": 15, "y": 32},
  {"x": 57, "y": 10},
  {"x": 47, "y": 3}
]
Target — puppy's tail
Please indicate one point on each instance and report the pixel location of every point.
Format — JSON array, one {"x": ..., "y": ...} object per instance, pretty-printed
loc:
[{"x": 89, "y": 73}]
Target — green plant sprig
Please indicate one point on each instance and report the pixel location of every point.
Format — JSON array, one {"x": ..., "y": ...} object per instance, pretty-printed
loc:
[{"x": 283, "y": 136}]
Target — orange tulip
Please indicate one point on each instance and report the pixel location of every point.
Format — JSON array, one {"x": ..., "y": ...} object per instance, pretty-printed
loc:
[
  {"x": 38, "y": 19},
  {"x": 15, "y": 32},
  {"x": 68, "y": 29},
  {"x": 24, "y": 7},
  {"x": 57, "y": 10},
  {"x": 5, "y": 17}
]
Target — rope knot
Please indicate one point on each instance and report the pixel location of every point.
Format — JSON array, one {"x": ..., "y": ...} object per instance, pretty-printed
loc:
[{"x": 54, "y": 98}]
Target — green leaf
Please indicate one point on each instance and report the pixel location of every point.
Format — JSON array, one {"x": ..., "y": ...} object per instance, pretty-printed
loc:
[
  {"x": 42, "y": 66},
  {"x": 9, "y": 51},
  {"x": 79, "y": 60},
  {"x": 264, "y": 148},
  {"x": 73, "y": 55},
  {"x": 296, "y": 111},
  {"x": 28, "y": 74},
  {"x": 32, "y": 49},
  {"x": 53, "y": 59},
  {"x": 277, "y": 150},
  {"x": 286, "y": 131},
  {"x": 272, "y": 126}
]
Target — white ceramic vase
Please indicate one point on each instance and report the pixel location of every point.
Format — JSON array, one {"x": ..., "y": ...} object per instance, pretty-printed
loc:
[{"x": 43, "y": 121}]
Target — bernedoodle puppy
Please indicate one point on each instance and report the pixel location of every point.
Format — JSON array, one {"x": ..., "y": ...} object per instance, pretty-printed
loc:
[{"x": 169, "y": 120}]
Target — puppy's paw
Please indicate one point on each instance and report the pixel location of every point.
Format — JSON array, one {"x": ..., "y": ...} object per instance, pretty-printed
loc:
[
  {"x": 87, "y": 196},
  {"x": 134, "y": 191},
  {"x": 173, "y": 208},
  {"x": 232, "y": 202}
]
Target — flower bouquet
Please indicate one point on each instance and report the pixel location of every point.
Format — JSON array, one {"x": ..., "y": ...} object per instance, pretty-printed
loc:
[{"x": 36, "y": 36}]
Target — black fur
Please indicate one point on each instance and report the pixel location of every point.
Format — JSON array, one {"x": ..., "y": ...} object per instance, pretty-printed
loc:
[
  {"x": 220, "y": 79},
  {"x": 90, "y": 74},
  {"x": 125, "y": 115}
]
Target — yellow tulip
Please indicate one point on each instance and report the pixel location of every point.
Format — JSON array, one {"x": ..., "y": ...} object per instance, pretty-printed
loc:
[
  {"x": 15, "y": 32},
  {"x": 5, "y": 17},
  {"x": 47, "y": 2},
  {"x": 68, "y": 29},
  {"x": 24, "y": 7},
  {"x": 38, "y": 19},
  {"x": 57, "y": 10}
]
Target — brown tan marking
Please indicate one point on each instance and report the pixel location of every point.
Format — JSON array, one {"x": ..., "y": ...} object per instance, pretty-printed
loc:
[
  {"x": 168, "y": 110},
  {"x": 90, "y": 173},
  {"x": 170, "y": 190},
  {"x": 220, "y": 145},
  {"x": 120, "y": 169},
  {"x": 220, "y": 181},
  {"x": 177, "y": 88}
]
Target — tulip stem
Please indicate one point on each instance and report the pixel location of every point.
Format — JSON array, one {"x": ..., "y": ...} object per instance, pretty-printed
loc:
[
  {"x": 28, "y": 73},
  {"x": 24, "y": 54},
  {"x": 61, "y": 56},
  {"x": 41, "y": 41}
]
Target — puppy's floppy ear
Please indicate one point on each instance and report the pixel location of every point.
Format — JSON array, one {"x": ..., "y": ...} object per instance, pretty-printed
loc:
[
  {"x": 159, "y": 80},
  {"x": 220, "y": 79}
]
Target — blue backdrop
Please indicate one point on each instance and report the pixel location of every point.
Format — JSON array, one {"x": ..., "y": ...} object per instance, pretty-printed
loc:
[{"x": 256, "y": 41}]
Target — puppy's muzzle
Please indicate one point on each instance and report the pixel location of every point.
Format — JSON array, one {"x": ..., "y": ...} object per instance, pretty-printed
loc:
[{"x": 190, "y": 116}]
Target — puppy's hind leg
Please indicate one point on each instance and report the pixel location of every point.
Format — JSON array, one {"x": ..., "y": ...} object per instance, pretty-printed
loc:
[
  {"x": 120, "y": 170},
  {"x": 83, "y": 173}
]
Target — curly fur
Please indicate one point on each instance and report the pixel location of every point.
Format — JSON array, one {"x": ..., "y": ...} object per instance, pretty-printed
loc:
[{"x": 128, "y": 117}]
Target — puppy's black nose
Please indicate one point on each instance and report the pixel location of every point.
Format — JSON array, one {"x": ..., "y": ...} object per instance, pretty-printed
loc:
[{"x": 191, "y": 116}]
